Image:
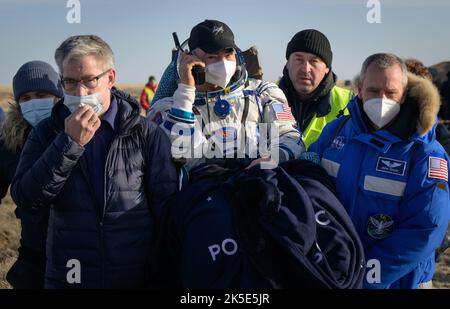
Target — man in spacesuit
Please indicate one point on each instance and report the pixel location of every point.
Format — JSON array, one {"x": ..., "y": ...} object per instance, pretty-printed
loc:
[{"x": 223, "y": 114}]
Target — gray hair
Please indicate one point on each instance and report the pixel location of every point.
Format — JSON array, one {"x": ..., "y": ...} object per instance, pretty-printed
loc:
[
  {"x": 384, "y": 61},
  {"x": 82, "y": 45}
]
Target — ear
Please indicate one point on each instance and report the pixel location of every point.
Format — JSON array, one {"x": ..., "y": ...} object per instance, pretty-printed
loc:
[
  {"x": 359, "y": 92},
  {"x": 111, "y": 78},
  {"x": 288, "y": 69},
  {"x": 288, "y": 64},
  {"x": 327, "y": 70},
  {"x": 405, "y": 92},
  {"x": 359, "y": 89}
]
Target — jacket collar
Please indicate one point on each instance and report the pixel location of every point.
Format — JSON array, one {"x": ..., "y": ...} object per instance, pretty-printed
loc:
[
  {"x": 318, "y": 104},
  {"x": 110, "y": 115},
  {"x": 14, "y": 129}
]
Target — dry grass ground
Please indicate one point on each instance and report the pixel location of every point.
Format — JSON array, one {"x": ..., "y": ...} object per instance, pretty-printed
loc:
[
  {"x": 10, "y": 226},
  {"x": 9, "y": 238}
]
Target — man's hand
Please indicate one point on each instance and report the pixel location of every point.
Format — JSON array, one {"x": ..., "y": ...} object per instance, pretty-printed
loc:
[
  {"x": 82, "y": 124},
  {"x": 186, "y": 64}
]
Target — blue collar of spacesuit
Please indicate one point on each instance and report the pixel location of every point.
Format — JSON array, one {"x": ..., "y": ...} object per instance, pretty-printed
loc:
[{"x": 382, "y": 140}]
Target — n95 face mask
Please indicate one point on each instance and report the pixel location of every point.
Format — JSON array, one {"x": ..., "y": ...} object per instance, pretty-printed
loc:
[
  {"x": 220, "y": 73},
  {"x": 381, "y": 111}
]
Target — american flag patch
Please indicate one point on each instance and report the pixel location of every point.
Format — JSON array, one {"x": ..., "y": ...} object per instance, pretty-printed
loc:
[
  {"x": 282, "y": 111},
  {"x": 437, "y": 168}
]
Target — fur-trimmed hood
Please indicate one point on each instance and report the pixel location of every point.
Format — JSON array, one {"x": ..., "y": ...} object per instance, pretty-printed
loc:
[
  {"x": 425, "y": 95},
  {"x": 14, "y": 130}
]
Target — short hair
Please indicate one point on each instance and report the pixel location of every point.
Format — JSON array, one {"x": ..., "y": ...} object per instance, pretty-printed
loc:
[
  {"x": 82, "y": 45},
  {"x": 417, "y": 67},
  {"x": 383, "y": 61}
]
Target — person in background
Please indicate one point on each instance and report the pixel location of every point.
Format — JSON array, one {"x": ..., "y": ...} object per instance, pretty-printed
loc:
[
  {"x": 148, "y": 93},
  {"x": 309, "y": 84},
  {"x": 36, "y": 88}
]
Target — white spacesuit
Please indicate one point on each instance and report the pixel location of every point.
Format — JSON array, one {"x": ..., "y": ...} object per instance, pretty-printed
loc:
[{"x": 246, "y": 118}]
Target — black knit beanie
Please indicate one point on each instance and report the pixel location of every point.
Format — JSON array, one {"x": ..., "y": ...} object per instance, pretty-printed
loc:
[{"x": 311, "y": 41}]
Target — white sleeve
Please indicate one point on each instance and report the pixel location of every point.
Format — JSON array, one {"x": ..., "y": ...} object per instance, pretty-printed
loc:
[
  {"x": 276, "y": 111},
  {"x": 175, "y": 116}
]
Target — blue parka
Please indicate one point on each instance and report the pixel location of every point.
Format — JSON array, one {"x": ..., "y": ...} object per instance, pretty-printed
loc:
[{"x": 394, "y": 184}]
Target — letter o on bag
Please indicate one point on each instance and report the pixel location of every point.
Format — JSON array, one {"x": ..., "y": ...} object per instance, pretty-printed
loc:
[{"x": 233, "y": 245}]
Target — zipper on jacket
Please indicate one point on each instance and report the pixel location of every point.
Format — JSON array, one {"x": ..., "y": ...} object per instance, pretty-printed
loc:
[
  {"x": 102, "y": 255},
  {"x": 102, "y": 218},
  {"x": 101, "y": 221},
  {"x": 108, "y": 157}
]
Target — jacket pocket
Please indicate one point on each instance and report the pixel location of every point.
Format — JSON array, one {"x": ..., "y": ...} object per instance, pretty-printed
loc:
[{"x": 378, "y": 207}]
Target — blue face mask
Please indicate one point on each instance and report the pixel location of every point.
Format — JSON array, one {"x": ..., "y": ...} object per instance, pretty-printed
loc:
[
  {"x": 93, "y": 100},
  {"x": 35, "y": 110}
]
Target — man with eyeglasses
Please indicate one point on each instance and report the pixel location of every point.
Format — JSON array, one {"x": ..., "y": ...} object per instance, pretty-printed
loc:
[{"x": 105, "y": 170}]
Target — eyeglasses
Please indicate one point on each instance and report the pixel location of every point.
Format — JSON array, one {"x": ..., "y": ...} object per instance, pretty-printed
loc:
[{"x": 71, "y": 84}]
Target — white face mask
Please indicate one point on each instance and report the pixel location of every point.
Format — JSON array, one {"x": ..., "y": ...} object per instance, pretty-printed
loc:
[
  {"x": 93, "y": 100},
  {"x": 381, "y": 111},
  {"x": 35, "y": 110},
  {"x": 220, "y": 73}
]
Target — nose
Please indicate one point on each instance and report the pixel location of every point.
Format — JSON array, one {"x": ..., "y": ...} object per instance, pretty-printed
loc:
[
  {"x": 81, "y": 90},
  {"x": 305, "y": 67}
]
